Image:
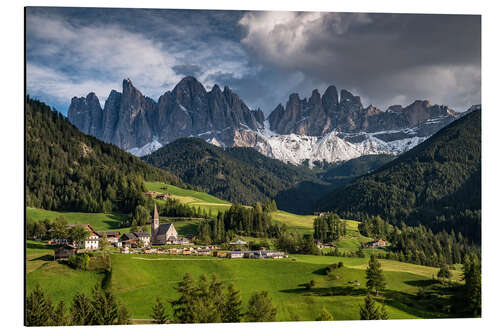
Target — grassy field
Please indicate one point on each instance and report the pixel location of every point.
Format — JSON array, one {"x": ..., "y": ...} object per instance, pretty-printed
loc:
[
  {"x": 138, "y": 279},
  {"x": 59, "y": 280}
]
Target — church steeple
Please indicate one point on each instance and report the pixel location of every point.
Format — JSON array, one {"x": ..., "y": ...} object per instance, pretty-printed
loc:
[{"x": 155, "y": 224}]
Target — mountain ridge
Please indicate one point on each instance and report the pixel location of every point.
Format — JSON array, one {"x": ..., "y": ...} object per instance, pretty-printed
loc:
[{"x": 329, "y": 128}]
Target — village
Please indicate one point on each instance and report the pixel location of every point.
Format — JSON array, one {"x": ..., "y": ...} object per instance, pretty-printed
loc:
[{"x": 163, "y": 239}]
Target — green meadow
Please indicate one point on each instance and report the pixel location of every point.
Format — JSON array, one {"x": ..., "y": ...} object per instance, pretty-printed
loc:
[{"x": 138, "y": 279}]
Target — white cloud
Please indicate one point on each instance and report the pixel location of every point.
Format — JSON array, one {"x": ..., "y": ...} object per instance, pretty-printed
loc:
[{"x": 66, "y": 60}]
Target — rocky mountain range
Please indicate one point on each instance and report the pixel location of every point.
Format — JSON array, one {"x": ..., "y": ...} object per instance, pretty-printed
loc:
[{"x": 328, "y": 128}]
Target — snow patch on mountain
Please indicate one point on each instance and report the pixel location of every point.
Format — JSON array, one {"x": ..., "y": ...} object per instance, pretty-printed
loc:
[{"x": 148, "y": 148}]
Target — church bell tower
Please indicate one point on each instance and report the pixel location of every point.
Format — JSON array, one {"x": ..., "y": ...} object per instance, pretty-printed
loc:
[{"x": 155, "y": 224}]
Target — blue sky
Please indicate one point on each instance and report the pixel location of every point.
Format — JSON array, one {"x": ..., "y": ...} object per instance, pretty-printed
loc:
[{"x": 263, "y": 56}]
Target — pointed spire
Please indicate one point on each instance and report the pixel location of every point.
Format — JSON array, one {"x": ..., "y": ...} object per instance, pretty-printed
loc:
[{"x": 155, "y": 215}]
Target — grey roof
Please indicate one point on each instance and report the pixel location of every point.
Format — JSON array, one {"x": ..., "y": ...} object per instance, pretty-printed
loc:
[{"x": 163, "y": 228}]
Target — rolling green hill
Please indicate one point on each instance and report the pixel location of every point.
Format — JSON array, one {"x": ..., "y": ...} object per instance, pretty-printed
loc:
[
  {"x": 437, "y": 183},
  {"x": 68, "y": 170},
  {"x": 240, "y": 175},
  {"x": 138, "y": 279}
]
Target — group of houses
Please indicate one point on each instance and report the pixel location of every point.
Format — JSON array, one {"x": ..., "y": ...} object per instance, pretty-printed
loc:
[{"x": 143, "y": 242}]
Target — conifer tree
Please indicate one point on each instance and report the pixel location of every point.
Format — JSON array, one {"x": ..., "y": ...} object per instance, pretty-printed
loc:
[
  {"x": 370, "y": 310},
  {"x": 260, "y": 308},
  {"x": 232, "y": 308},
  {"x": 39, "y": 308},
  {"x": 324, "y": 315},
  {"x": 472, "y": 277},
  {"x": 182, "y": 306},
  {"x": 159, "y": 314},
  {"x": 374, "y": 278},
  {"x": 81, "y": 310},
  {"x": 105, "y": 307}
]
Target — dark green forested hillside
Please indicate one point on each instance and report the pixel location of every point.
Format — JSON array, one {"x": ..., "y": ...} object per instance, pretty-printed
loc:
[
  {"x": 68, "y": 170},
  {"x": 438, "y": 184},
  {"x": 346, "y": 171},
  {"x": 240, "y": 175}
]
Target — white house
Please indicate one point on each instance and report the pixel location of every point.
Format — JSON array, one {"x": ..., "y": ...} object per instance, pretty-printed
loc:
[{"x": 92, "y": 242}]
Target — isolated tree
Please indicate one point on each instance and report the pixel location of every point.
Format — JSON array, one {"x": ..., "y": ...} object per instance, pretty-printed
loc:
[
  {"x": 78, "y": 234},
  {"x": 39, "y": 310},
  {"x": 159, "y": 315},
  {"x": 232, "y": 308},
  {"x": 260, "y": 308},
  {"x": 324, "y": 315},
  {"x": 374, "y": 278},
  {"x": 81, "y": 311}
]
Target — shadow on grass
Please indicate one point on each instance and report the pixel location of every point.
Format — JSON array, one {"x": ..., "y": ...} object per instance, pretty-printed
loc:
[
  {"x": 331, "y": 291},
  {"x": 46, "y": 257},
  {"x": 421, "y": 283},
  {"x": 39, "y": 246},
  {"x": 115, "y": 220}
]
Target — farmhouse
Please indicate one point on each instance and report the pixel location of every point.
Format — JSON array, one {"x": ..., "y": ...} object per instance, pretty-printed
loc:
[
  {"x": 112, "y": 236},
  {"x": 235, "y": 254},
  {"x": 379, "y": 242},
  {"x": 133, "y": 238},
  {"x": 64, "y": 252},
  {"x": 238, "y": 242},
  {"x": 162, "y": 234},
  {"x": 92, "y": 242}
]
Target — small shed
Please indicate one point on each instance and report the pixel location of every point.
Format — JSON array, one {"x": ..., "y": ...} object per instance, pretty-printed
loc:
[{"x": 64, "y": 252}]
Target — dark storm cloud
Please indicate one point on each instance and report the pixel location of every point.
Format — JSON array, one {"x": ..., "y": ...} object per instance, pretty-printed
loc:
[
  {"x": 187, "y": 69},
  {"x": 387, "y": 58}
]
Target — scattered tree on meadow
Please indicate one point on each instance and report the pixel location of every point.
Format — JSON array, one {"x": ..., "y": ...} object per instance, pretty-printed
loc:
[
  {"x": 159, "y": 315},
  {"x": 260, "y": 308},
  {"x": 374, "y": 278},
  {"x": 370, "y": 311},
  {"x": 324, "y": 315}
]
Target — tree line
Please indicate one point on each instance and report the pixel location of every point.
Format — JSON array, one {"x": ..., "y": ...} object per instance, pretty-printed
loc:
[
  {"x": 329, "y": 227},
  {"x": 100, "y": 308},
  {"x": 239, "y": 220}
]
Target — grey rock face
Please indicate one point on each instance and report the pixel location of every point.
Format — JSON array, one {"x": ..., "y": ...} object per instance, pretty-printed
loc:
[
  {"x": 132, "y": 120},
  {"x": 86, "y": 114},
  {"x": 322, "y": 114}
]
